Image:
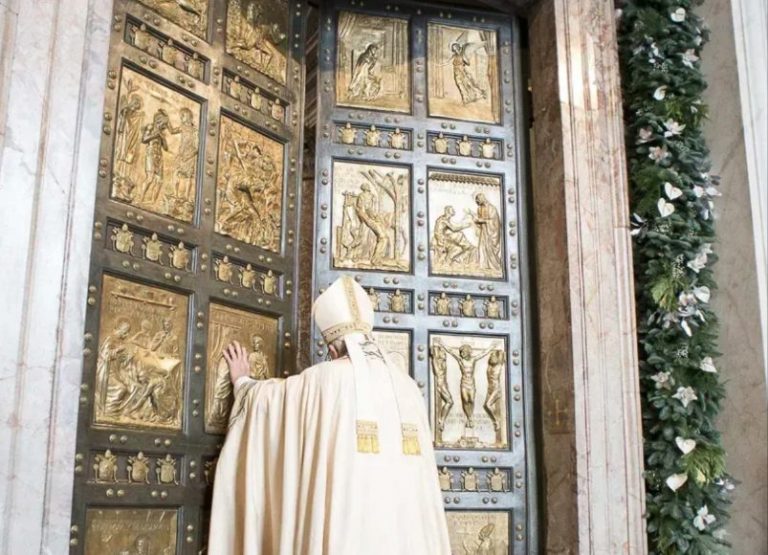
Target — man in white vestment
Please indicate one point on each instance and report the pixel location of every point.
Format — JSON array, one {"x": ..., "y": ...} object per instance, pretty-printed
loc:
[{"x": 337, "y": 460}]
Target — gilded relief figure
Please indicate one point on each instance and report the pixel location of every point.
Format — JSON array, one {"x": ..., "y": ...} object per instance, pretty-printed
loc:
[
  {"x": 496, "y": 480},
  {"x": 257, "y": 332},
  {"x": 224, "y": 269},
  {"x": 156, "y": 148},
  {"x": 138, "y": 469},
  {"x": 469, "y": 480},
  {"x": 467, "y": 305},
  {"x": 122, "y": 239},
  {"x": 257, "y": 35},
  {"x": 165, "y": 470},
  {"x": 192, "y": 15},
  {"x": 478, "y": 532},
  {"x": 440, "y": 143},
  {"x": 131, "y": 531},
  {"x": 443, "y": 305},
  {"x": 397, "y": 302},
  {"x": 492, "y": 308},
  {"x": 347, "y": 134},
  {"x": 371, "y": 217},
  {"x": 473, "y": 369},
  {"x": 153, "y": 249},
  {"x": 444, "y": 399},
  {"x": 249, "y": 186},
  {"x": 446, "y": 477},
  {"x": 269, "y": 283},
  {"x": 180, "y": 256},
  {"x": 471, "y": 244},
  {"x": 105, "y": 467},
  {"x": 372, "y": 64},
  {"x": 372, "y": 136},
  {"x": 140, "y": 366},
  {"x": 462, "y": 73},
  {"x": 247, "y": 277},
  {"x": 374, "y": 296},
  {"x": 397, "y": 139}
]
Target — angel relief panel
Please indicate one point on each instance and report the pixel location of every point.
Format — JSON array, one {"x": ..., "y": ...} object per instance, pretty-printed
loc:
[
  {"x": 140, "y": 366},
  {"x": 249, "y": 187},
  {"x": 462, "y": 69},
  {"x": 258, "y": 333},
  {"x": 257, "y": 35},
  {"x": 372, "y": 63},
  {"x": 371, "y": 217},
  {"x": 156, "y": 147},
  {"x": 465, "y": 233}
]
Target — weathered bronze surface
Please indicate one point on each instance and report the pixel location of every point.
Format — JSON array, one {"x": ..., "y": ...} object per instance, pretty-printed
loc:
[
  {"x": 479, "y": 532},
  {"x": 373, "y": 63},
  {"x": 371, "y": 216},
  {"x": 462, "y": 71},
  {"x": 249, "y": 188},
  {"x": 191, "y": 15},
  {"x": 130, "y": 531},
  {"x": 257, "y": 35},
  {"x": 257, "y": 333},
  {"x": 140, "y": 368}
]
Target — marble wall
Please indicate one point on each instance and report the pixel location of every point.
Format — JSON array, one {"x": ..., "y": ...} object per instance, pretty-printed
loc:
[
  {"x": 52, "y": 74},
  {"x": 744, "y": 419}
]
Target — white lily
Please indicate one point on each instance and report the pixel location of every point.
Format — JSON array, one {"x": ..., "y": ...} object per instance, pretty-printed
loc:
[
  {"x": 663, "y": 380},
  {"x": 673, "y": 128},
  {"x": 702, "y": 293},
  {"x": 698, "y": 263},
  {"x": 644, "y": 135},
  {"x": 685, "y": 395},
  {"x": 678, "y": 16},
  {"x": 689, "y": 57},
  {"x": 703, "y": 518},
  {"x": 660, "y": 92},
  {"x": 708, "y": 365},
  {"x": 658, "y": 153},
  {"x": 676, "y": 481}
]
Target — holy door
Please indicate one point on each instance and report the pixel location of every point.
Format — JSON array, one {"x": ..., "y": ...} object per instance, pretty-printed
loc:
[
  {"x": 194, "y": 246},
  {"x": 418, "y": 197}
]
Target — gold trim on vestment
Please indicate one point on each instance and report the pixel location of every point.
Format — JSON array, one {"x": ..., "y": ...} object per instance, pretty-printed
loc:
[
  {"x": 367, "y": 436},
  {"x": 410, "y": 439}
]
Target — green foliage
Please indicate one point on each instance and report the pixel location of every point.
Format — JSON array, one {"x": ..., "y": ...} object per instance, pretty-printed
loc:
[{"x": 660, "y": 42}]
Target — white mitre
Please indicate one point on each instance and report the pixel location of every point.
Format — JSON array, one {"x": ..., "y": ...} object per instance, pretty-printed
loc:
[{"x": 344, "y": 311}]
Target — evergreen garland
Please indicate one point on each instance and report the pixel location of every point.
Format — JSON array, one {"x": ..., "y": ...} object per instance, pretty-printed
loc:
[{"x": 672, "y": 192}]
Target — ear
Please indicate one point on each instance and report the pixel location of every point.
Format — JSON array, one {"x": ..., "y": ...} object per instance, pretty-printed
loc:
[{"x": 334, "y": 353}]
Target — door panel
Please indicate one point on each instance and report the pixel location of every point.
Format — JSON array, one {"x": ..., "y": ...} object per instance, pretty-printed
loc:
[
  {"x": 419, "y": 196},
  {"x": 194, "y": 245}
]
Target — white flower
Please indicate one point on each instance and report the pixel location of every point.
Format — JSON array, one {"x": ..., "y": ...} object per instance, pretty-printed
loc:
[
  {"x": 708, "y": 365},
  {"x": 699, "y": 191},
  {"x": 698, "y": 263},
  {"x": 644, "y": 135},
  {"x": 703, "y": 518},
  {"x": 660, "y": 92},
  {"x": 676, "y": 481},
  {"x": 702, "y": 293},
  {"x": 685, "y": 395},
  {"x": 663, "y": 380},
  {"x": 673, "y": 128},
  {"x": 678, "y": 16},
  {"x": 686, "y": 328},
  {"x": 671, "y": 191},
  {"x": 685, "y": 445},
  {"x": 689, "y": 57},
  {"x": 658, "y": 153},
  {"x": 665, "y": 208}
]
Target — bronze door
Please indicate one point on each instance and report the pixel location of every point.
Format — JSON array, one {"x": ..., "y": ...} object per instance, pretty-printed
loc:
[
  {"x": 194, "y": 245},
  {"x": 419, "y": 196}
]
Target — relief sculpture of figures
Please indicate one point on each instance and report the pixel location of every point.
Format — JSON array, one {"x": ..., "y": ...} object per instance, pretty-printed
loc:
[
  {"x": 257, "y": 35},
  {"x": 139, "y": 371},
  {"x": 468, "y": 245},
  {"x": 471, "y": 368},
  {"x": 256, "y": 332},
  {"x": 156, "y": 148},
  {"x": 479, "y": 532},
  {"x": 192, "y": 15},
  {"x": 249, "y": 187},
  {"x": 131, "y": 531},
  {"x": 372, "y": 64},
  {"x": 138, "y": 469},
  {"x": 463, "y": 73},
  {"x": 371, "y": 217},
  {"x": 105, "y": 467},
  {"x": 165, "y": 470}
]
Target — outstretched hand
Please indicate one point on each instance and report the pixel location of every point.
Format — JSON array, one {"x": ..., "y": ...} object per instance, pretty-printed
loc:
[{"x": 237, "y": 360}]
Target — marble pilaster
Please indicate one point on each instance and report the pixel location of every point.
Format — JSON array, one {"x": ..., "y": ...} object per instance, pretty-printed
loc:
[
  {"x": 591, "y": 441},
  {"x": 53, "y": 64}
]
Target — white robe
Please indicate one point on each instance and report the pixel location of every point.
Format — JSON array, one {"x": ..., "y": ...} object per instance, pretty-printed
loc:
[{"x": 290, "y": 481}]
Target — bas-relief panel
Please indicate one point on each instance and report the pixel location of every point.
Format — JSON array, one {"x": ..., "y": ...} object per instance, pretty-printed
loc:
[
  {"x": 131, "y": 531},
  {"x": 465, "y": 225},
  {"x": 257, "y": 35},
  {"x": 249, "y": 187},
  {"x": 372, "y": 63},
  {"x": 396, "y": 346},
  {"x": 469, "y": 401},
  {"x": 371, "y": 217},
  {"x": 156, "y": 147},
  {"x": 256, "y": 332},
  {"x": 140, "y": 366},
  {"x": 191, "y": 15},
  {"x": 463, "y": 81},
  {"x": 478, "y": 532}
]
